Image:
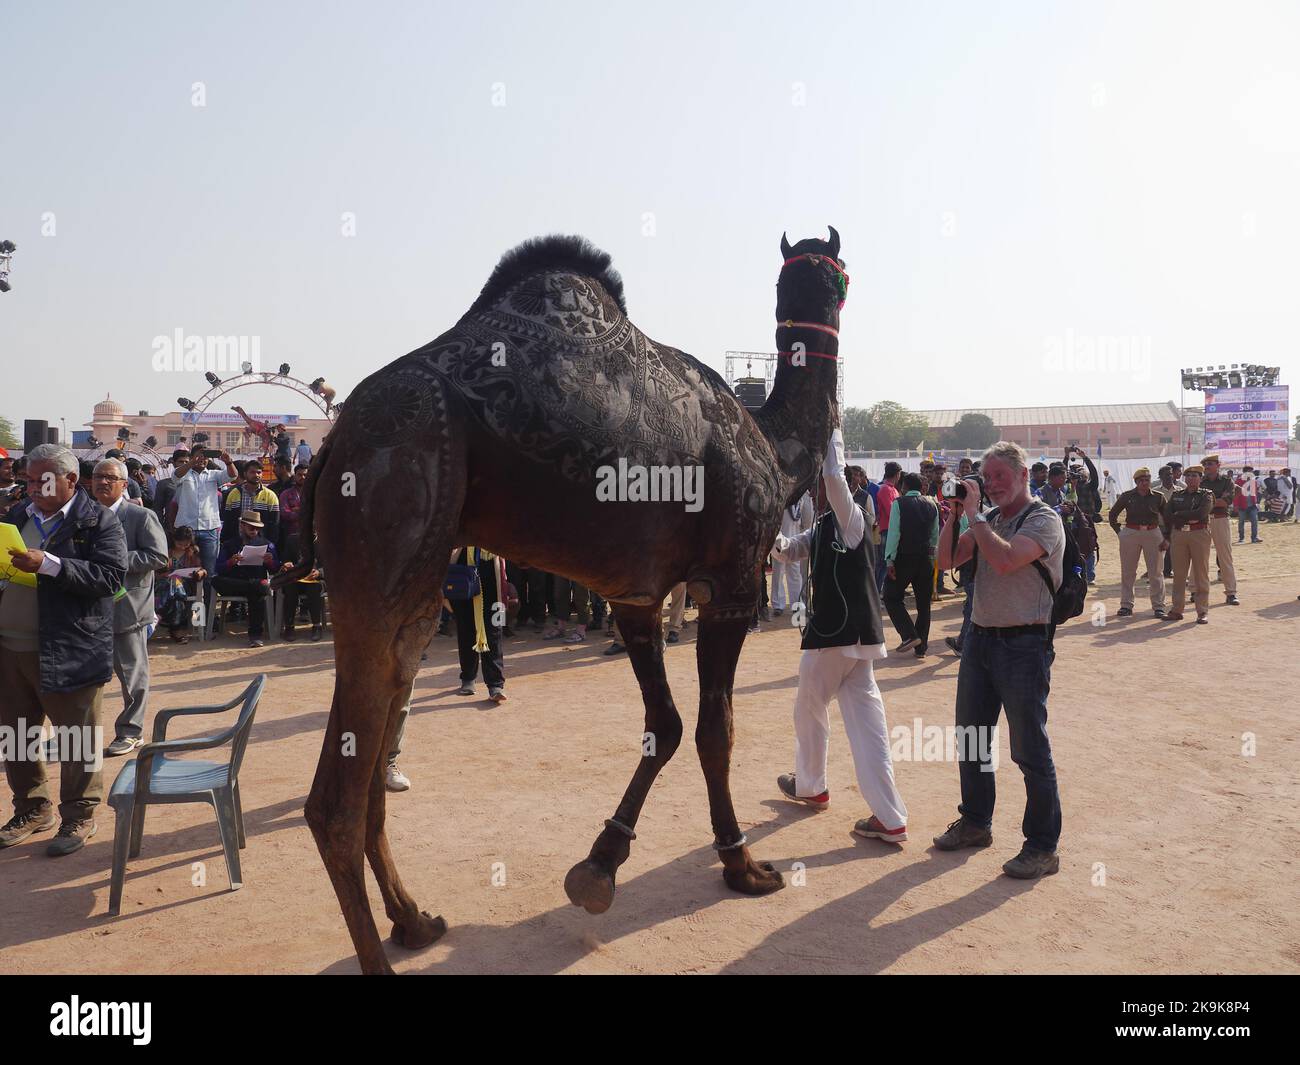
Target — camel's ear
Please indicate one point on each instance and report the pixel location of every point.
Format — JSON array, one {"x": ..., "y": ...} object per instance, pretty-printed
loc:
[
  {"x": 785, "y": 247},
  {"x": 834, "y": 243}
]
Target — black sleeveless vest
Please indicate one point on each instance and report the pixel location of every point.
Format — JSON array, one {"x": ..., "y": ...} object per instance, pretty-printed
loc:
[
  {"x": 844, "y": 605},
  {"x": 917, "y": 516}
]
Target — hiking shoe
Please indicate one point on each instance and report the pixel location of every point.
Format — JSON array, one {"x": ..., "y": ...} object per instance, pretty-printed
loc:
[
  {"x": 123, "y": 745},
  {"x": 921, "y": 649},
  {"x": 1030, "y": 864},
  {"x": 672, "y": 637},
  {"x": 578, "y": 635},
  {"x": 71, "y": 837},
  {"x": 778, "y": 611},
  {"x": 1233, "y": 601},
  {"x": 953, "y": 645},
  {"x": 818, "y": 802},
  {"x": 316, "y": 634},
  {"x": 256, "y": 643},
  {"x": 1201, "y": 619},
  {"x": 906, "y": 645},
  {"x": 1124, "y": 612},
  {"x": 872, "y": 828},
  {"x": 465, "y": 689},
  {"x": 961, "y": 833},
  {"x": 395, "y": 779},
  {"x": 497, "y": 695},
  {"x": 1173, "y": 617},
  {"x": 615, "y": 648},
  {"x": 20, "y": 826},
  {"x": 1161, "y": 612}
]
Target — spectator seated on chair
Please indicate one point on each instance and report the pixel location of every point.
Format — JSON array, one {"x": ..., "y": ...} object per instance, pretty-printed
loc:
[{"x": 238, "y": 576}]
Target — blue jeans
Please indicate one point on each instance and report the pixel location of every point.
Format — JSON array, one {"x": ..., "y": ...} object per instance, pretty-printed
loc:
[
  {"x": 1251, "y": 513},
  {"x": 1092, "y": 567},
  {"x": 208, "y": 541},
  {"x": 1011, "y": 673},
  {"x": 969, "y": 588}
]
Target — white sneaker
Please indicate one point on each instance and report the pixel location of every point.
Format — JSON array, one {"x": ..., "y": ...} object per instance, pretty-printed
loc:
[{"x": 395, "y": 779}]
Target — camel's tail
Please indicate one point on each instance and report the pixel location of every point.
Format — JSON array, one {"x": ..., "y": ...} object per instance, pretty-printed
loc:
[{"x": 307, "y": 530}]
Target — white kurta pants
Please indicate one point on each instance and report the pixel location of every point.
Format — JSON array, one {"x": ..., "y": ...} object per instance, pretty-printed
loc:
[
  {"x": 829, "y": 674},
  {"x": 787, "y": 583}
]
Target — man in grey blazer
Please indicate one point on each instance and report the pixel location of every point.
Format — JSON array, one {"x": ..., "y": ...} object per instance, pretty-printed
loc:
[{"x": 146, "y": 551}]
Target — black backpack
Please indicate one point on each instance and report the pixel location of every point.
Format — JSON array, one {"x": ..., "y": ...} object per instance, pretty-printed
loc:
[{"x": 1067, "y": 600}]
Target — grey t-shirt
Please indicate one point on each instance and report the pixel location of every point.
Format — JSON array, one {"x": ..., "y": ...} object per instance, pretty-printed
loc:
[{"x": 1021, "y": 598}]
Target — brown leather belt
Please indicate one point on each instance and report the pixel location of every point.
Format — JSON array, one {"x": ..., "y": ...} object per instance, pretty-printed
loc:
[
  {"x": 1197, "y": 525},
  {"x": 1142, "y": 527}
]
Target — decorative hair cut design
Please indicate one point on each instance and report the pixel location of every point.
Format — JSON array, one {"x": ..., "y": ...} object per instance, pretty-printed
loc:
[{"x": 554, "y": 252}]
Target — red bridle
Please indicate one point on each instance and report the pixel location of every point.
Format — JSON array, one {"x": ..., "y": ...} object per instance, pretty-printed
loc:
[{"x": 789, "y": 323}]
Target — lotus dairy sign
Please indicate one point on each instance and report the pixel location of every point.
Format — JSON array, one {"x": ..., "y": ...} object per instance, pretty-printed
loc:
[{"x": 1248, "y": 425}]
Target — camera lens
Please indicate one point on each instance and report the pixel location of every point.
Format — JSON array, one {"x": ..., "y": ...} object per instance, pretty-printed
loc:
[{"x": 961, "y": 491}]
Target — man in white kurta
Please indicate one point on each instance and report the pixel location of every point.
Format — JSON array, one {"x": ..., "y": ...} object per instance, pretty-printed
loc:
[
  {"x": 844, "y": 673},
  {"x": 787, "y": 577}
]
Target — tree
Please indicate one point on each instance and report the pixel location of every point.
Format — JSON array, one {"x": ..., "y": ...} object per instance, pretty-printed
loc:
[
  {"x": 8, "y": 433},
  {"x": 973, "y": 431},
  {"x": 886, "y": 426},
  {"x": 1295, "y": 434}
]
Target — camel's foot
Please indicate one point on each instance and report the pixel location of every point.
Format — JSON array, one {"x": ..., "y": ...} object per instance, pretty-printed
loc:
[
  {"x": 427, "y": 930},
  {"x": 590, "y": 886},
  {"x": 749, "y": 877}
]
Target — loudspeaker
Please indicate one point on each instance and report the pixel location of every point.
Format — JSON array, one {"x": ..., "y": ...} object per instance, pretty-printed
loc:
[
  {"x": 34, "y": 433},
  {"x": 51, "y": 436}
]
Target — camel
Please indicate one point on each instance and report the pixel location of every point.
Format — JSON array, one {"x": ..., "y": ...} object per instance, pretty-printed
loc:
[{"x": 496, "y": 434}]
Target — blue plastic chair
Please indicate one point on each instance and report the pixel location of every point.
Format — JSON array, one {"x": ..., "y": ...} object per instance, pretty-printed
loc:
[{"x": 154, "y": 776}]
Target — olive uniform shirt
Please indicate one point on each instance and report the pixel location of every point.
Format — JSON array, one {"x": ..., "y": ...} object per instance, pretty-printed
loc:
[
  {"x": 1140, "y": 509},
  {"x": 1187, "y": 506},
  {"x": 1222, "y": 489}
]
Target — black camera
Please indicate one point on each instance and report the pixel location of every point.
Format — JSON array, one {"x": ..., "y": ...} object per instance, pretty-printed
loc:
[{"x": 961, "y": 485}]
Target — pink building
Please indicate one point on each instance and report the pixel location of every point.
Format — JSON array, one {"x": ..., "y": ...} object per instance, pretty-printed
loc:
[{"x": 226, "y": 430}]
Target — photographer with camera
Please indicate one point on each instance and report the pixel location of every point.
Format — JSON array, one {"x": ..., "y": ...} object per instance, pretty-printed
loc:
[
  {"x": 909, "y": 561},
  {"x": 966, "y": 571},
  {"x": 1006, "y": 662}
]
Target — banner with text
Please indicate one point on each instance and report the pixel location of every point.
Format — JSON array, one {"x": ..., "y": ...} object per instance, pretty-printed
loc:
[{"x": 1248, "y": 425}]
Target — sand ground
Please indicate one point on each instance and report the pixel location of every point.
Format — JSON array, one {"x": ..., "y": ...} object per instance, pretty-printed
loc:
[{"x": 1178, "y": 852}]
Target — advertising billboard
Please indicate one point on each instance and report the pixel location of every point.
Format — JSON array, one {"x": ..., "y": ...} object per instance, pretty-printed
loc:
[{"x": 1248, "y": 425}]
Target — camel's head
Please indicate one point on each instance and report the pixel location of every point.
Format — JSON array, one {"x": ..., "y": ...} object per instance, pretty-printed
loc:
[{"x": 813, "y": 285}]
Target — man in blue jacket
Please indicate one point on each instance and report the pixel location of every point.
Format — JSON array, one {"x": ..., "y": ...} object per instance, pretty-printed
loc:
[{"x": 56, "y": 647}]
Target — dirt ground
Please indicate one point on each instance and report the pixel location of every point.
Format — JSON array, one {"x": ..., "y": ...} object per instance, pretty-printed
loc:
[{"x": 1178, "y": 852}]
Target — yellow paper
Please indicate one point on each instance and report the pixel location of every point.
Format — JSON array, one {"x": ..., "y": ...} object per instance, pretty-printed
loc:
[{"x": 11, "y": 537}]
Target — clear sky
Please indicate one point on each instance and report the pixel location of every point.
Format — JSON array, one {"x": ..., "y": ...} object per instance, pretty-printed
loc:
[{"x": 1015, "y": 184}]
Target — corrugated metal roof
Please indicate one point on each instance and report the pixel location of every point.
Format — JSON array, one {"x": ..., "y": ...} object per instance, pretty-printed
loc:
[{"x": 1102, "y": 414}]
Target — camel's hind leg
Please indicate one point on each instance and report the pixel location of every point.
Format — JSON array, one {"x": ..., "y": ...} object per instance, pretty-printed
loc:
[
  {"x": 721, "y": 636},
  {"x": 336, "y": 809},
  {"x": 412, "y": 927},
  {"x": 391, "y": 545},
  {"x": 590, "y": 883}
]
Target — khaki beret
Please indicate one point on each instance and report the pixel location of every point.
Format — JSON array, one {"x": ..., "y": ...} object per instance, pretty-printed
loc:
[
  {"x": 1210, "y": 458},
  {"x": 1199, "y": 471},
  {"x": 1141, "y": 471}
]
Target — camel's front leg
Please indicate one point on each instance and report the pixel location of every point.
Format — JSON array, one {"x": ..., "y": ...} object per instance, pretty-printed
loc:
[
  {"x": 590, "y": 883},
  {"x": 721, "y": 636}
]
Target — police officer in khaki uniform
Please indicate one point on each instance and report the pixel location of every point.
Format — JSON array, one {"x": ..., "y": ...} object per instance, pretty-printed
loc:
[
  {"x": 1222, "y": 489},
  {"x": 1142, "y": 537},
  {"x": 1187, "y": 528}
]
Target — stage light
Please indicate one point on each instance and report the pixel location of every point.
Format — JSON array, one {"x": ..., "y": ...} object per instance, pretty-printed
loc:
[
  {"x": 284, "y": 369},
  {"x": 151, "y": 442},
  {"x": 212, "y": 379},
  {"x": 247, "y": 367},
  {"x": 1188, "y": 385},
  {"x": 186, "y": 404}
]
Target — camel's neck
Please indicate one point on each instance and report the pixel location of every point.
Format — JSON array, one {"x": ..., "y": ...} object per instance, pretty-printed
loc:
[{"x": 801, "y": 411}]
